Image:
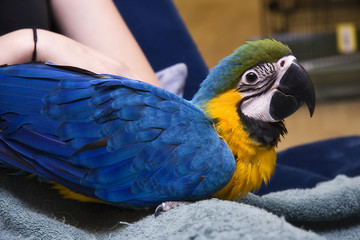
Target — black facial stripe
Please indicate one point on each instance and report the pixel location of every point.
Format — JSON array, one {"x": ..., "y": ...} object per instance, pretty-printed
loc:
[
  {"x": 269, "y": 67},
  {"x": 252, "y": 88},
  {"x": 257, "y": 72},
  {"x": 267, "y": 70},
  {"x": 264, "y": 69},
  {"x": 266, "y": 77},
  {"x": 267, "y": 87},
  {"x": 272, "y": 67},
  {"x": 248, "y": 97},
  {"x": 264, "y": 84}
]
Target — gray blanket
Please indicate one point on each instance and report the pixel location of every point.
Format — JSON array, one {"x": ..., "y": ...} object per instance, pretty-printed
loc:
[{"x": 31, "y": 209}]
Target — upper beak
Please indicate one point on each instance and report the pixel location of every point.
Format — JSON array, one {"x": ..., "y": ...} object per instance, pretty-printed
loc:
[{"x": 295, "y": 88}]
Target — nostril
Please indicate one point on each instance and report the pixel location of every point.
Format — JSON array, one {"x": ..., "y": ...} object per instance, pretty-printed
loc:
[{"x": 282, "y": 63}]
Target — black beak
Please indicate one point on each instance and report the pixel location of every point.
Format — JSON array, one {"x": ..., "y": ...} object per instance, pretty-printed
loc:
[{"x": 295, "y": 88}]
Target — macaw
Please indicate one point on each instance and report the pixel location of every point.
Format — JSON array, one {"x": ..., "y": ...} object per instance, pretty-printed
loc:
[{"x": 109, "y": 139}]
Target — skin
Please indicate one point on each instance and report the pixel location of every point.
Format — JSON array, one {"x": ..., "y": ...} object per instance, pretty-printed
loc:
[{"x": 102, "y": 44}]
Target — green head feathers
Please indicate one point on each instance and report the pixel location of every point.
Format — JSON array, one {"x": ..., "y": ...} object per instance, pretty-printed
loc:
[
  {"x": 227, "y": 73},
  {"x": 256, "y": 52}
]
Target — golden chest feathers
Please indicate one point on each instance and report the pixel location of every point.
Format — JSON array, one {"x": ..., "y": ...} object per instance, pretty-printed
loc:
[{"x": 254, "y": 163}]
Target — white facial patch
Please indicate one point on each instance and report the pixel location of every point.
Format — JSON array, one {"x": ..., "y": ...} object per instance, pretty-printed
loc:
[
  {"x": 257, "y": 93},
  {"x": 258, "y": 107}
]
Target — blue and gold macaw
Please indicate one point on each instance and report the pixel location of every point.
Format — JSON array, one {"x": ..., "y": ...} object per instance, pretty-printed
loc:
[{"x": 105, "y": 138}]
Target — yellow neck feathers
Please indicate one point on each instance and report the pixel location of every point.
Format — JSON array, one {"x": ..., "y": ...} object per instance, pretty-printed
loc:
[{"x": 254, "y": 163}]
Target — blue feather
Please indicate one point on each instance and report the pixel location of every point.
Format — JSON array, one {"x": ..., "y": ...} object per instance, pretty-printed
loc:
[
  {"x": 124, "y": 138},
  {"x": 74, "y": 111},
  {"x": 38, "y": 141},
  {"x": 151, "y": 118},
  {"x": 101, "y": 97},
  {"x": 80, "y": 142},
  {"x": 30, "y": 71},
  {"x": 152, "y": 157},
  {"x": 123, "y": 101},
  {"x": 24, "y": 157},
  {"x": 40, "y": 124},
  {"x": 133, "y": 113},
  {"x": 109, "y": 174},
  {"x": 104, "y": 118},
  {"x": 122, "y": 141},
  {"x": 37, "y": 84},
  {"x": 116, "y": 195},
  {"x": 18, "y": 122},
  {"x": 110, "y": 127},
  {"x": 13, "y": 158},
  {"x": 182, "y": 168},
  {"x": 79, "y": 82},
  {"x": 35, "y": 123},
  {"x": 21, "y": 92},
  {"x": 152, "y": 101},
  {"x": 101, "y": 114},
  {"x": 16, "y": 104},
  {"x": 101, "y": 157},
  {"x": 71, "y": 130},
  {"x": 116, "y": 93},
  {"x": 59, "y": 96},
  {"x": 168, "y": 106}
]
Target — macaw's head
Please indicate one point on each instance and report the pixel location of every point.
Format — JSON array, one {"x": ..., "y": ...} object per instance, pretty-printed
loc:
[{"x": 266, "y": 85}]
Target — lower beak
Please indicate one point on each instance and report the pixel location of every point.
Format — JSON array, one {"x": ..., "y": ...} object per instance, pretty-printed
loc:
[{"x": 295, "y": 88}]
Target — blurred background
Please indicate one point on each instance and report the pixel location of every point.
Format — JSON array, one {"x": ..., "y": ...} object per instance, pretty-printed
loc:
[{"x": 323, "y": 34}]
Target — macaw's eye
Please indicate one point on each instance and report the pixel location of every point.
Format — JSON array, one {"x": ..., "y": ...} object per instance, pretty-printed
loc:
[{"x": 251, "y": 77}]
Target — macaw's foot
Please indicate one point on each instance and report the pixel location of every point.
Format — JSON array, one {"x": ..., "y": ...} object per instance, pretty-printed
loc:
[{"x": 166, "y": 206}]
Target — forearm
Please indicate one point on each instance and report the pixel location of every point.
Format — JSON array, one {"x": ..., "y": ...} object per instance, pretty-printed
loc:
[
  {"x": 99, "y": 25},
  {"x": 95, "y": 38},
  {"x": 17, "y": 47},
  {"x": 56, "y": 48}
]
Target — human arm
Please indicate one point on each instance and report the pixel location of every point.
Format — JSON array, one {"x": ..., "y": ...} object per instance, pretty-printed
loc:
[
  {"x": 98, "y": 48},
  {"x": 18, "y": 46},
  {"x": 99, "y": 25}
]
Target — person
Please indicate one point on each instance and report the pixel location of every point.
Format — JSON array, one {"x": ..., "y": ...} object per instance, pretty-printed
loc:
[{"x": 92, "y": 35}]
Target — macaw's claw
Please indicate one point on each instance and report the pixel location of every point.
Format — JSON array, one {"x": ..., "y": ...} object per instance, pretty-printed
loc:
[{"x": 167, "y": 206}]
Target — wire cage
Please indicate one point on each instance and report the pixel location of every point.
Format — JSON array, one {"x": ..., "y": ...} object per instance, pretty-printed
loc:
[{"x": 324, "y": 36}]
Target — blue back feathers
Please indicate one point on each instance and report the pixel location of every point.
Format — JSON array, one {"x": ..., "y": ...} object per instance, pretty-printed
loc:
[{"x": 122, "y": 141}]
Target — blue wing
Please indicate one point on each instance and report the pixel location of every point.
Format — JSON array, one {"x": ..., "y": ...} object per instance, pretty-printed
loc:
[{"x": 122, "y": 141}]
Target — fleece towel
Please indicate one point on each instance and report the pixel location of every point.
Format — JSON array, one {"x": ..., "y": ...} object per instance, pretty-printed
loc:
[{"x": 30, "y": 209}]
